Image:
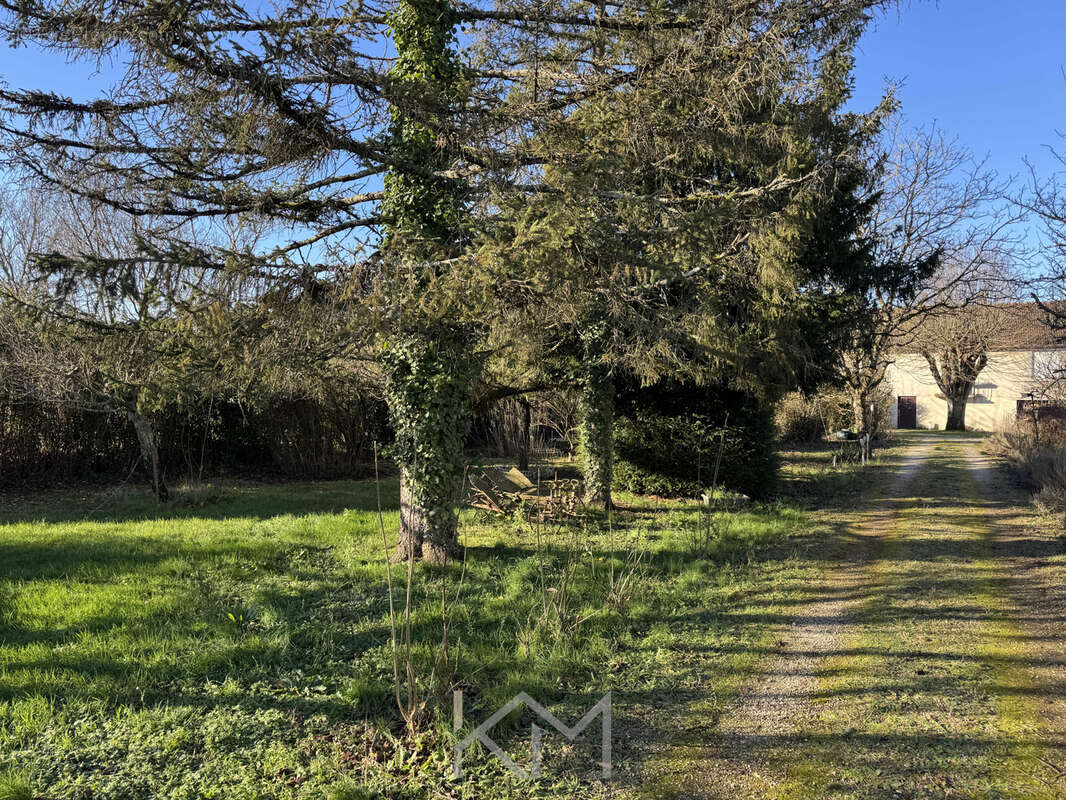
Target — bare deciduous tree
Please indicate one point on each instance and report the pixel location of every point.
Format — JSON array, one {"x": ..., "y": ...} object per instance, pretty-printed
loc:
[
  {"x": 121, "y": 344},
  {"x": 955, "y": 343},
  {"x": 942, "y": 231},
  {"x": 1045, "y": 197}
]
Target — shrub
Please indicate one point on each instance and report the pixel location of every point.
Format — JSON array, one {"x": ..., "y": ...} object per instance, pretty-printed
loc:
[
  {"x": 668, "y": 436},
  {"x": 326, "y": 436},
  {"x": 801, "y": 418},
  {"x": 1036, "y": 450}
]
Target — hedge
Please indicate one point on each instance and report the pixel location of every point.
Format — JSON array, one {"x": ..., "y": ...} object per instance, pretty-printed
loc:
[{"x": 668, "y": 436}]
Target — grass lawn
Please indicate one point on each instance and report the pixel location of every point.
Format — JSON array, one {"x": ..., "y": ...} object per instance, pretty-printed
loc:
[
  {"x": 236, "y": 644},
  {"x": 932, "y": 692}
]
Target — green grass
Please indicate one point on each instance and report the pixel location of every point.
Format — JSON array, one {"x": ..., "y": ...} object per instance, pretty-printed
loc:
[
  {"x": 928, "y": 696},
  {"x": 13, "y": 786},
  {"x": 236, "y": 644}
]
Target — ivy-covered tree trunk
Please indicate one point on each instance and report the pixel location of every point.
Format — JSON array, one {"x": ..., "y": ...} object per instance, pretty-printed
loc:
[
  {"x": 150, "y": 453},
  {"x": 428, "y": 359},
  {"x": 427, "y": 384},
  {"x": 597, "y": 413}
]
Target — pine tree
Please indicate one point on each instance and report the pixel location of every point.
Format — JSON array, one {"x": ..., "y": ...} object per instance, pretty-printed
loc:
[
  {"x": 668, "y": 229},
  {"x": 367, "y": 185}
]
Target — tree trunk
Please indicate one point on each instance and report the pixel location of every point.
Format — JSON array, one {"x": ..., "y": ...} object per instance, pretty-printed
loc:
[
  {"x": 597, "y": 416},
  {"x": 860, "y": 412},
  {"x": 957, "y": 413},
  {"x": 956, "y": 375},
  {"x": 426, "y": 533},
  {"x": 527, "y": 424},
  {"x": 428, "y": 362},
  {"x": 150, "y": 454},
  {"x": 427, "y": 381},
  {"x": 597, "y": 441}
]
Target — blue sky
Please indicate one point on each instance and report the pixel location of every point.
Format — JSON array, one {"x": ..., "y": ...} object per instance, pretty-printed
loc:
[
  {"x": 990, "y": 72},
  {"x": 987, "y": 71}
]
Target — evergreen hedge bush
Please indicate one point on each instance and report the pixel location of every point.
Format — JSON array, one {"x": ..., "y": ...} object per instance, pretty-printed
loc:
[{"x": 668, "y": 435}]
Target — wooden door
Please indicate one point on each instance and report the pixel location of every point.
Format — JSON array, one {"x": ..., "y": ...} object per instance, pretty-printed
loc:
[{"x": 907, "y": 412}]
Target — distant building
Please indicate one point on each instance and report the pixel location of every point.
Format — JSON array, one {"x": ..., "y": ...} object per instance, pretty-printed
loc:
[{"x": 1026, "y": 358}]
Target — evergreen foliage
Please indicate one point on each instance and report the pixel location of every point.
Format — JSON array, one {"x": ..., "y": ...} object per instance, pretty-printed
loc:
[
  {"x": 669, "y": 436},
  {"x": 448, "y": 207}
]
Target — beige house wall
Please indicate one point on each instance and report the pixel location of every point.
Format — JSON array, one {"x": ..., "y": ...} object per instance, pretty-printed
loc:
[{"x": 1009, "y": 377}]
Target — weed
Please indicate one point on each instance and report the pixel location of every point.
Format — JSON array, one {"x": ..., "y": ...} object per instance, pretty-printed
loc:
[{"x": 14, "y": 786}]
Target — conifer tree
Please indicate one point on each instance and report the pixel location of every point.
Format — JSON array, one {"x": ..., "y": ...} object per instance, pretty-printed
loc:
[
  {"x": 370, "y": 177},
  {"x": 669, "y": 226}
]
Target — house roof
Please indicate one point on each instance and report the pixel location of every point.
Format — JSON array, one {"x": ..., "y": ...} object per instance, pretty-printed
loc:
[
  {"x": 1022, "y": 326},
  {"x": 1027, "y": 326}
]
